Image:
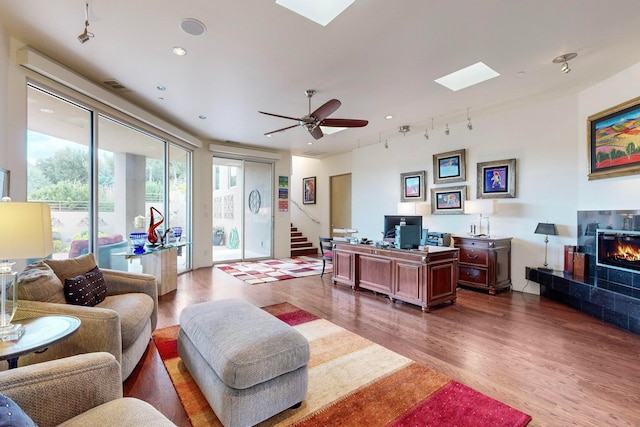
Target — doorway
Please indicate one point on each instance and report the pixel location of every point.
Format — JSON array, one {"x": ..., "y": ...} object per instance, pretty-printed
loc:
[
  {"x": 340, "y": 202},
  {"x": 242, "y": 210}
]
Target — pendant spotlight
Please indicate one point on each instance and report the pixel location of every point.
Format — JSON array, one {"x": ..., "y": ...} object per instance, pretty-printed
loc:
[
  {"x": 386, "y": 145},
  {"x": 446, "y": 129},
  {"x": 86, "y": 34},
  {"x": 404, "y": 129},
  {"x": 564, "y": 60},
  {"x": 426, "y": 131},
  {"x": 469, "y": 125}
]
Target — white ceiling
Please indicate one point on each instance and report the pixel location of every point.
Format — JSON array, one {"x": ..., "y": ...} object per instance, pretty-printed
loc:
[{"x": 379, "y": 57}]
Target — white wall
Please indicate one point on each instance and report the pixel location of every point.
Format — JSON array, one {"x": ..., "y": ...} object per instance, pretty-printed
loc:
[{"x": 548, "y": 139}]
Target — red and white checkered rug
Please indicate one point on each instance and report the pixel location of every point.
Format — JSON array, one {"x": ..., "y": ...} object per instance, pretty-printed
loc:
[{"x": 273, "y": 270}]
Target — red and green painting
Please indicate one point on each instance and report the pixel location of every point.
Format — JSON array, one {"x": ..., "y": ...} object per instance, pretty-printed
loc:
[{"x": 616, "y": 140}]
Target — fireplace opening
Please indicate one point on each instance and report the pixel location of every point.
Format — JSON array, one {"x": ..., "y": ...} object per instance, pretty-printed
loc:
[{"x": 618, "y": 249}]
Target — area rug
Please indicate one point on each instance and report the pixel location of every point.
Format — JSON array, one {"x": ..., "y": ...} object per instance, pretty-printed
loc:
[
  {"x": 354, "y": 382},
  {"x": 273, "y": 270}
]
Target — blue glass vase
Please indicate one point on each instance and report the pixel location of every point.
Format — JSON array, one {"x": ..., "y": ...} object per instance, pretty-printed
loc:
[{"x": 138, "y": 240}]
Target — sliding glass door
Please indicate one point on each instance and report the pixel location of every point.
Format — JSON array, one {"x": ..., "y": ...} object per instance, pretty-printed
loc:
[{"x": 242, "y": 210}]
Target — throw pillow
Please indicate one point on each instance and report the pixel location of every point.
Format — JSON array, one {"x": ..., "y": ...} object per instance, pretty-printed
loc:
[
  {"x": 86, "y": 289},
  {"x": 38, "y": 282},
  {"x": 71, "y": 267},
  {"x": 11, "y": 415}
]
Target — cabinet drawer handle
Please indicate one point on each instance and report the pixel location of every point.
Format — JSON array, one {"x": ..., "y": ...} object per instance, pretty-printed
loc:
[
  {"x": 474, "y": 274},
  {"x": 472, "y": 256}
]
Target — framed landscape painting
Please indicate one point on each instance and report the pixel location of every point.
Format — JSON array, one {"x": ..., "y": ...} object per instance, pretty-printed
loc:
[
  {"x": 449, "y": 167},
  {"x": 497, "y": 180},
  {"x": 309, "y": 190},
  {"x": 613, "y": 138},
  {"x": 448, "y": 200},
  {"x": 412, "y": 187}
]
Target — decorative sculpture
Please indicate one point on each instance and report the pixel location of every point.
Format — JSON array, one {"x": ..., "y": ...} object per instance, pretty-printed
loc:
[{"x": 152, "y": 235}]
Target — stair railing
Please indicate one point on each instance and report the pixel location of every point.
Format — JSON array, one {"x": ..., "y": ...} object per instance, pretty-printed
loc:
[{"x": 305, "y": 212}]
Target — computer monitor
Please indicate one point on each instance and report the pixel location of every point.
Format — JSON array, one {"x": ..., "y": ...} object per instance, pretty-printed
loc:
[{"x": 390, "y": 222}]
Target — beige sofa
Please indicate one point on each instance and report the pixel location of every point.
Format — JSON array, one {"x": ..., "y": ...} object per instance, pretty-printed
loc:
[
  {"x": 82, "y": 390},
  {"x": 121, "y": 324}
]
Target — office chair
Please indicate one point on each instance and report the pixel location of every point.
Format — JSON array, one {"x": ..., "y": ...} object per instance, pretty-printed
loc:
[{"x": 326, "y": 249}]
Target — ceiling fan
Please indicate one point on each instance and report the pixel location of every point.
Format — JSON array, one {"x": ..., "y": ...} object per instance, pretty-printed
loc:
[{"x": 314, "y": 120}]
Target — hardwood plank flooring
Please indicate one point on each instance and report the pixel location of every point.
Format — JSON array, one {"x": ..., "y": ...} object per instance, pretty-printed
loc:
[{"x": 561, "y": 366}]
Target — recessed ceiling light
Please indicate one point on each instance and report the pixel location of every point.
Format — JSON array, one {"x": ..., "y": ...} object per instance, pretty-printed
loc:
[
  {"x": 319, "y": 11},
  {"x": 161, "y": 87},
  {"x": 193, "y": 27},
  {"x": 468, "y": 76},
  {"x": 309, "y": 143},
  {"x": 269, "y": 135},
  {"x": 46, "y": 110},
  {"x": 331, "y": 130},
  {"x": 389, "y": 117},
  {"x": 180, "y": 51}
]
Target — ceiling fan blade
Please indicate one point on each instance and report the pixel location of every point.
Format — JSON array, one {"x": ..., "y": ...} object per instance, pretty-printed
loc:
[
  {"x": 280, "y": 130},
  {"x": 325, "y": 110},
  {"x": 316, "y": 132},
  {"x": 278, "y": 115},
  {"x": 344, "y": 123}
]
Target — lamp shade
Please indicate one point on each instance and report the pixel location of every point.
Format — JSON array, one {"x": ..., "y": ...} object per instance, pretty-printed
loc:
[
  {"x": 481, "y": 206},
  {"x": 546, "y": 228},
  {"x": 25, "y": 230}
]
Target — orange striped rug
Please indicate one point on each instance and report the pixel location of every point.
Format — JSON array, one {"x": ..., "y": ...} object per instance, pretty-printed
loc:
[{"x": 354, "y": 382}]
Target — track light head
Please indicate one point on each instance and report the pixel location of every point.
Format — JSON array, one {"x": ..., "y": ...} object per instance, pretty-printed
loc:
[
  {"x": 564, "y": 60},
  {"x": 86, "y": 34},
  {"x": 426, "y": 134},
  {"x": 386, "y": 145},
  {"x": 469, "y": 125},
  {"x": 404, "y": 129},
  {"x": 446, "y": 129}
]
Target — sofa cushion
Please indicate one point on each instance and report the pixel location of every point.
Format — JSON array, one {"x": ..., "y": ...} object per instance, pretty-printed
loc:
[
  {"x": 86, "y": 289},
  {"x": 127, "y": 412},
  {"x": 72, "y": 267},
  {"x": 38, "y": 282},
  {"x": 11, "y": 415},
  {"x": 134, "y": 311}
]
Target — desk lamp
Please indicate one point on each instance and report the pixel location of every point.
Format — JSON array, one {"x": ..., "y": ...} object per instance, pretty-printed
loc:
[
  {"x": 547, "y": 229},
  {"x": 481, "y": 207},
  {"x": 26, "y": 233}
]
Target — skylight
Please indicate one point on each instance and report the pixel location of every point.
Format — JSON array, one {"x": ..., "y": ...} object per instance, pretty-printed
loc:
[
  {"x": 331, "y": 130},
  {"x": 469, "y": 76},
  {"x": 319, "y": 11}
]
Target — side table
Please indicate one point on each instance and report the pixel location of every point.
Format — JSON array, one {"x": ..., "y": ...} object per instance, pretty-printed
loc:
[{"x": 40, "y": 333}]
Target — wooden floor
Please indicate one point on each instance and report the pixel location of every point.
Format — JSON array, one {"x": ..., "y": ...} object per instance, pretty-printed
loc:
[{"x": 558, "y": 365}]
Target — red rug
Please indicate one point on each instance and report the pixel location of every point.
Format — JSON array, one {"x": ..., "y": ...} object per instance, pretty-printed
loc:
[
  {"x": 273, "y": 270},
  {"x": 354, "y": 382}
]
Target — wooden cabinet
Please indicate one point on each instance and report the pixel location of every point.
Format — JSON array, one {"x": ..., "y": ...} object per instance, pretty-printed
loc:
[
  {"x": 423, "y": 278},
  {"x": 484, "y": 262}
]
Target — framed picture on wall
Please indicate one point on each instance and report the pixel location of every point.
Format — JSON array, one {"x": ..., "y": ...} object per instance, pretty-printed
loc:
[
  {"x": 448, "y": 200},
  {"x": 497, "y": 180},
  {"x": 4, "y": 183},
  {"x": 309, "y": 190},
  {"x": 449, "y": 167},
  {"x": 412, "y": 187},
  {"x": 613, "y": 138}
]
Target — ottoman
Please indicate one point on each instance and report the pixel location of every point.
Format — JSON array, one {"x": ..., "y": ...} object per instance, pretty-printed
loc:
[{"x": 248, "y": 364}]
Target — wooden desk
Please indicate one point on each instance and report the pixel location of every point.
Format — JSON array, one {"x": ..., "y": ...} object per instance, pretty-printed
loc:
[{"x": 425, "y": 278}]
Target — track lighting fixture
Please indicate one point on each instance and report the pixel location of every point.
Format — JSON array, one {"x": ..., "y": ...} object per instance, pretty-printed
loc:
[
  {"x": 426, "y": 134},
  {"x": 386, "y": 144},
  {"x": 564, "y": 60},
  {"x": 86, "y": 34},
  {"x": 404, "y": 129},
  {"x": 446, "y": 129},
  {"x": 469, "y": 125}
]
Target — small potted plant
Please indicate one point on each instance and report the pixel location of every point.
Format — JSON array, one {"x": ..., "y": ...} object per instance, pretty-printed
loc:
[{"x": 218, "y": 236}]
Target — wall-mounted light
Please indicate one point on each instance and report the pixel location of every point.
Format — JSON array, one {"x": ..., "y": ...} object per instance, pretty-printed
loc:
[
  {"x": 564, "y": 60},
  {"x": 86, "y": 34}
]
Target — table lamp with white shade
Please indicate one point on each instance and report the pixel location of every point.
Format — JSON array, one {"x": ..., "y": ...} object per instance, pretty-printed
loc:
[
  {"x": 25, "y": 232},
  {"x": 483, "y": 208}
]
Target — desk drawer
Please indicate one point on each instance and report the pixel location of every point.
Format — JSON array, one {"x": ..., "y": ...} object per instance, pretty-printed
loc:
[
  {"x": 474, "y": 256},
  {"x": 473, "y": 275}
]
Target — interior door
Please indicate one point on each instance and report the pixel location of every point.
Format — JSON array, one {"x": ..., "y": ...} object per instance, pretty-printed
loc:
[{"x": 340, "y": 201}]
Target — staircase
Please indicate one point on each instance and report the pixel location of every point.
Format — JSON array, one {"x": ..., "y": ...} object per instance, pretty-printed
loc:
[{"x": 300, "y": 245}]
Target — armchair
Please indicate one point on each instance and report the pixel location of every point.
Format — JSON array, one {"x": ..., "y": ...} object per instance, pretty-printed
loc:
[
  {"x": 82, "y": 390},
  {"x": 120, "y": 325}
]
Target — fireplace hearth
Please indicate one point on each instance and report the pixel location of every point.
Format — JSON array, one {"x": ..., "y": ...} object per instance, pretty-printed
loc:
[{"x": 618, "y": 249}]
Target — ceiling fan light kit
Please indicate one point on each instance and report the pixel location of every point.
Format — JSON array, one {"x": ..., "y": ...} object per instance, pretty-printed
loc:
[{"x": 319, "y": 117}]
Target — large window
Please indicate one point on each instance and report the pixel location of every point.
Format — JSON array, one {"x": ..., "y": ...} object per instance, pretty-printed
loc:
[{"x": 101, "y": 177}]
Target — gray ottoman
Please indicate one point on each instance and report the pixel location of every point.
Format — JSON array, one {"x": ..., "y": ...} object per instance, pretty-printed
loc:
[{"x": 248, "y": 364}]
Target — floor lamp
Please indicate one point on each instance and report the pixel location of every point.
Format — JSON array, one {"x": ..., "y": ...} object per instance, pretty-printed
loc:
[
  {"x": 547, "y": 229},
  {"x": 25, "y": 230}
]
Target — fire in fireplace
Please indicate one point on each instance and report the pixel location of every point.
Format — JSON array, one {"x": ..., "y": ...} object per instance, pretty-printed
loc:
[{"x": 618, "y": 249}]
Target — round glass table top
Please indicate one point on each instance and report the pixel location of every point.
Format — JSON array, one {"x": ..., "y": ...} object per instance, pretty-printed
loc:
[{"x": 40, "y": 332}]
